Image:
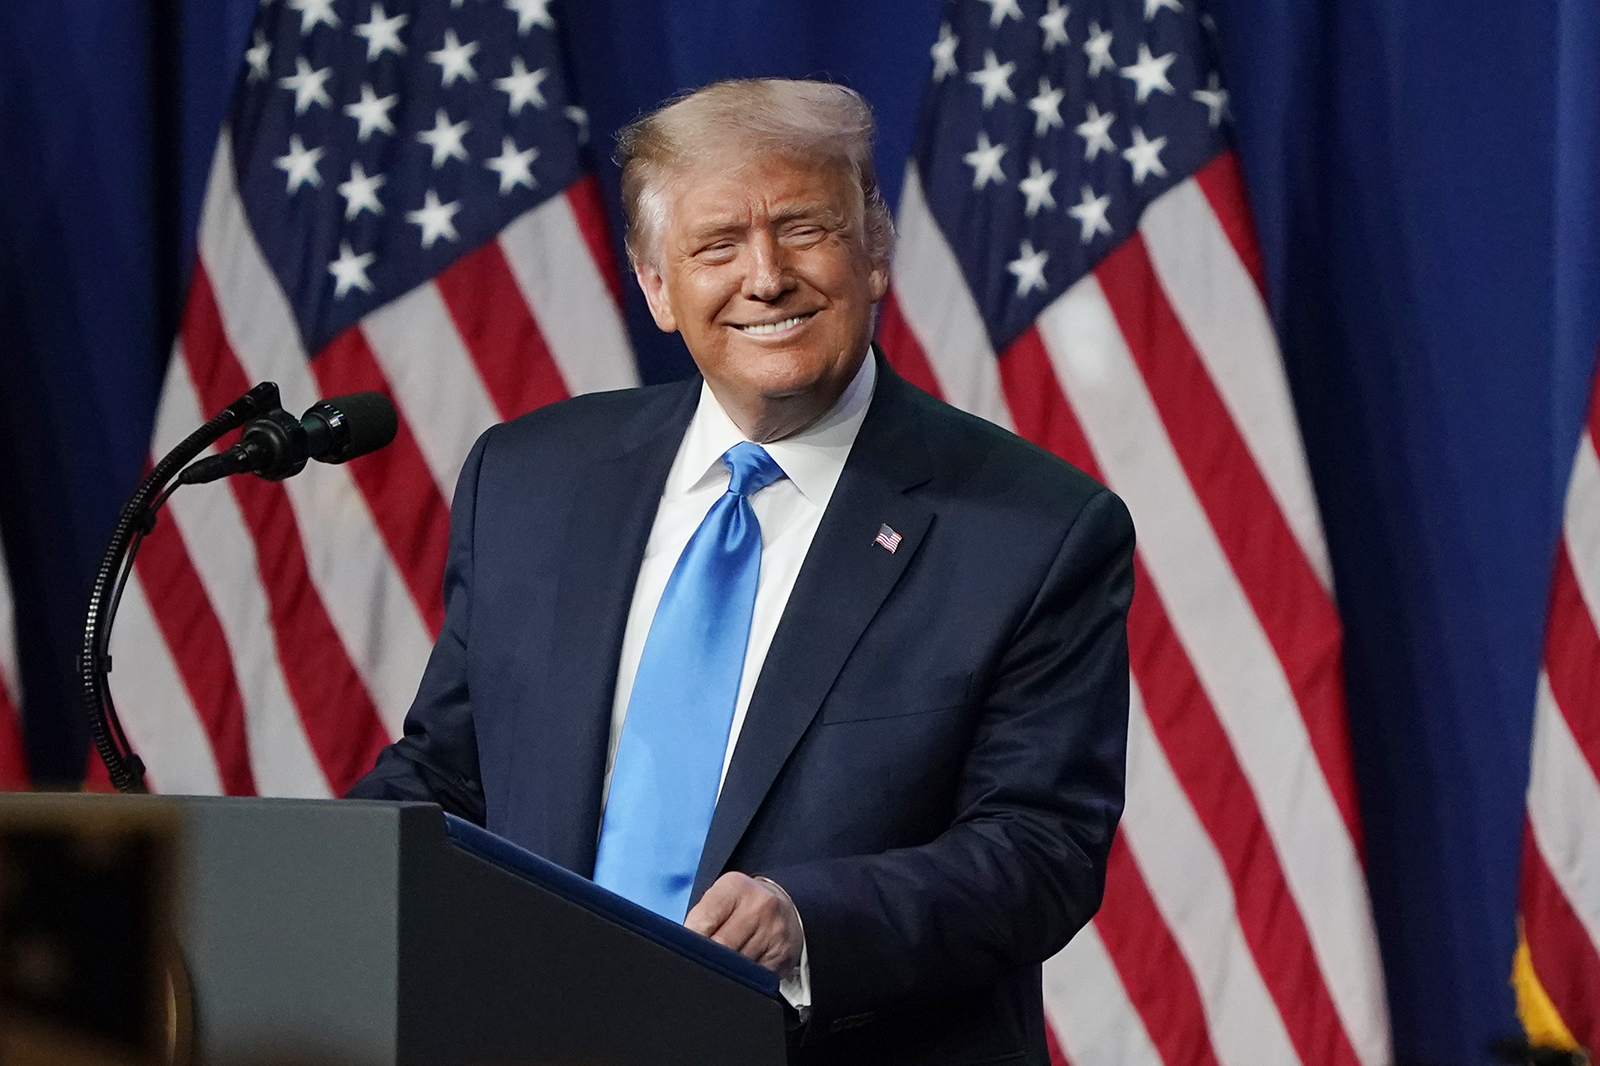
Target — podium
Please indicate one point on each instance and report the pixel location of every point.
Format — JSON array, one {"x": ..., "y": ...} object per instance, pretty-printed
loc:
[{"x": 371, "y": 933}]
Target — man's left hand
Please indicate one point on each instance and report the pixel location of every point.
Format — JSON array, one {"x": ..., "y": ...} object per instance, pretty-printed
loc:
[{"x": 753, "y": 917}]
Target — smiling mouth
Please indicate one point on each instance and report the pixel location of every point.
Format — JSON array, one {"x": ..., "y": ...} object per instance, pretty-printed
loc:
[{"x": 768, "y": 329}]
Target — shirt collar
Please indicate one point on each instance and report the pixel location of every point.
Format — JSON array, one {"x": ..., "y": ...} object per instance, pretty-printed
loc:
[{"x": 813, "y": 459}]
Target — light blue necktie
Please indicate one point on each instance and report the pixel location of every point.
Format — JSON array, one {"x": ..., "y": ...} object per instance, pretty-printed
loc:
[{"x": 669, "y": 761}]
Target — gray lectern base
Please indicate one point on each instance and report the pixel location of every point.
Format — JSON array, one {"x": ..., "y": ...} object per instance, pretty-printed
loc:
[{"x": 352, "y": 932}]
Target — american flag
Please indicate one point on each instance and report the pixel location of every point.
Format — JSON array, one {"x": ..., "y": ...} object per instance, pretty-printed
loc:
[
  {"x": 13, "y": 758},
  {"x": 398, "y": 201},
  {"x": 1557, "y": 971},
  {"x": 1076, "y": 262}
]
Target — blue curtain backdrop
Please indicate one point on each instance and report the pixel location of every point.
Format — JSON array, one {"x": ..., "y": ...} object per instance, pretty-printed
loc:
[{"x": 1426, "y": 182}]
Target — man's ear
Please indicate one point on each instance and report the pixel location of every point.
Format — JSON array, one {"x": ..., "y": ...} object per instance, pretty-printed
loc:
[
  {"x": 878, "y": 281},
  {"x": 655, "y": 294}
]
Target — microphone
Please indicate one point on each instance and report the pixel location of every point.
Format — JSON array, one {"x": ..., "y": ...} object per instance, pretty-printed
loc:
[{"x": 277, "y": 444}]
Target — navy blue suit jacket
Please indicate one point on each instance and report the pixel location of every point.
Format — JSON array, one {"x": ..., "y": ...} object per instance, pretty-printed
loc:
[{"x": 932, "y": 761}]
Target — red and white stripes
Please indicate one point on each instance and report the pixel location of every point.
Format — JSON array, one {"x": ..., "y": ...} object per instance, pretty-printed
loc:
[
  {"x": 1236, "y": 928},
  {"x": 1560, "y": 902},
  {"x": 275, "y": 632},
  {"x": 13, "y": 758}
]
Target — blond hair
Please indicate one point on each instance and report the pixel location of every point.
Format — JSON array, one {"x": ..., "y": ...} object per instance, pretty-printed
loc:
[{"x": 810, "y": 120}]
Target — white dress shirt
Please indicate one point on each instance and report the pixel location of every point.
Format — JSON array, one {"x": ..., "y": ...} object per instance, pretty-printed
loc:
[{"x": 789, "y": 510}]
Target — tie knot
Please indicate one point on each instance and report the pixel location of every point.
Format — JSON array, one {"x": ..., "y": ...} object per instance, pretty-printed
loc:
[{"x": 750, "y": 468}]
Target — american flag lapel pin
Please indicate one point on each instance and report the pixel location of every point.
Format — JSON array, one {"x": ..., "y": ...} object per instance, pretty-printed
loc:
[{"x": 887, "y": 539}]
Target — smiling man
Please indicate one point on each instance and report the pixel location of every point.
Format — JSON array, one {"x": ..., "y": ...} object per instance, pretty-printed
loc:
[{"x": 793, "y": 653}]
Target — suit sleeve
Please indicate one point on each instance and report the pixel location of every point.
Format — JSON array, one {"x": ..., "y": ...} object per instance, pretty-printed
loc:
[
  {"x": 1022, "y": 866},
  {"x": 437, "y": 757}
]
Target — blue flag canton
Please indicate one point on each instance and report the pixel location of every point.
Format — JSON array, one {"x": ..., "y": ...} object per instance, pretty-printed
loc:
[
  {"x": 1048, "y": 129},
  {"x": 376, "y": 141}
]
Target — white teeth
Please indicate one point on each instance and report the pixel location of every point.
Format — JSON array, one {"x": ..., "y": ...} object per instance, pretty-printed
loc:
[{"x": 773, "y": 327}]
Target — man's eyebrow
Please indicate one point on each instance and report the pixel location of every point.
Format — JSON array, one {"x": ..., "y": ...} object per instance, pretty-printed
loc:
[
  {"x": 819, "y": 210},
  {"x": 716, "y": 226}
]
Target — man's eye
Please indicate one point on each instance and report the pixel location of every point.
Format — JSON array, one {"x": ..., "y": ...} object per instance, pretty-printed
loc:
[{"x": 805, "y": 236}]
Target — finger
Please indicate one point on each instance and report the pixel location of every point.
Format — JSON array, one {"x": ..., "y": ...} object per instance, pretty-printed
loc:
[
  {"x": 780, "y": 947},
  {"x": 782, "y": 935},
  {"x": 758, "y": 928},
  {"x": 781, "y": 953},
  {"x": 707, "y": 916},
  {"x": 744, "y": 924}
]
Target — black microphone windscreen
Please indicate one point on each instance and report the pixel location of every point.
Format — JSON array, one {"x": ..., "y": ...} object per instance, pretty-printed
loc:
[{"x": 359, "y": 423}]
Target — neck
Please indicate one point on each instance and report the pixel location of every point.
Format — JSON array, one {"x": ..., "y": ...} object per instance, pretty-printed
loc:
[{"x": 774, "y": 420}]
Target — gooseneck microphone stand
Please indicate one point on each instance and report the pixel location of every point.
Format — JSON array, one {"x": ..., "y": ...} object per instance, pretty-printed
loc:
[{"x": 137, "y": 519}]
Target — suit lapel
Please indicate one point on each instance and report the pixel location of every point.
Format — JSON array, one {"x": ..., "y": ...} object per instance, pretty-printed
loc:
[
  {"x": 612, "y": 514},
  {"x": 843, "y": 582}
]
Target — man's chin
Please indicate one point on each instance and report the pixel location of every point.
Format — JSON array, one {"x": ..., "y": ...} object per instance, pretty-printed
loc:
[
  {"x": 776, "y": 370},
  {"x": 778, "y": 406}
]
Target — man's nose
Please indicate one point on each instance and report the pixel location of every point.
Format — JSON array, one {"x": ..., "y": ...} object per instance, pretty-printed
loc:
[{"x": 767, "y": 277}]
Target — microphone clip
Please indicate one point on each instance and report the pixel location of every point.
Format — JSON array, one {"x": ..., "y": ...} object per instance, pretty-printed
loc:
[
  {"x": 273, "y": 446},
  {"x": 276, "y": 445}
]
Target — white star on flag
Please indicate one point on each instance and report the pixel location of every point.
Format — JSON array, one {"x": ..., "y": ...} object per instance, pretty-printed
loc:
[
  {"x": 1046, "y": 108},
  {"x": 1029, "y": 268},
  {"x": 1095, "y": 129},
  {"x": 350, "y": 271},
  {"x": 300, "y": 165},
  {"x": 313, "y": 12},
  {"x": 514, "y": 167},
  {"x": 309, "y": 86},
  {"x": 944, "y": 53},
  {"x": 1000, "y": 10},
  {"x": 1054, "y": 24},
  {"x": 1098, "y": 49},
  {"x": 455, "y": 59},
  {"x": 531, "y": 13},
  {"x": 371, "y": 113},
  {"x": 995, "y": 79},
  {"x": 1036, "y": 187},
  {"x": 1149, "y": 74},
  {"x": 1091, "y": 215},
  {"x": 1215, "y": 97},
  {"x": 579, "y": 118},
  {"x": 259, "y": 55},
  {"x": 1145, "y": 156},
  {"x": 985, "y": 162},
  {"x": 445, "y": 139},
  {"x": 360, "y": 192},
  {"x": 383, "y": 33},
  {"x": 522, "y": 85},
  {"x": 1152, "y": 6},
  {"x": 436, "y": 219}
]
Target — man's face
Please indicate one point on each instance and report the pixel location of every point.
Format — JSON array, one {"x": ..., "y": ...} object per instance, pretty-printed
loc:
[{"x": 762, "y": 266}]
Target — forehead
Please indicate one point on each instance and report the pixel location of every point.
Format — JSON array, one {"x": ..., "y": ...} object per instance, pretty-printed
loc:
[{"x": 733, "y": 187}]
